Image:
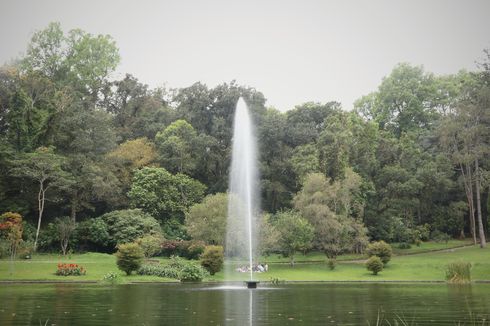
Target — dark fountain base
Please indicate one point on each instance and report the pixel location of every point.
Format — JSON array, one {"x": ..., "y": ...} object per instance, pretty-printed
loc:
[{"x": 252, "y": 284}]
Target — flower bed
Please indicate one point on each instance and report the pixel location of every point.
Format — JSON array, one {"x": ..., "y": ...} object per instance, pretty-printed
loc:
[{"x": 70, "y": 269}]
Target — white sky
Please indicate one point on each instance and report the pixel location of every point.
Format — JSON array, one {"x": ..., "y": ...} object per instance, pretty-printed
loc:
[{"x": 292, "y": 51}]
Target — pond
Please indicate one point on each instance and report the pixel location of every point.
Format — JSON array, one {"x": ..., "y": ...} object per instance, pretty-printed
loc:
[{"x": 204, "y": 304}]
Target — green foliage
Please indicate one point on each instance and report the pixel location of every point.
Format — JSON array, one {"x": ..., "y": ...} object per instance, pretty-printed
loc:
[
  {"x": 66, "y": 227},
  {"x": 159, "y": 270},
  {"x": 439, "y": 236},
  {"x": 182, "y": 248},
  {"x": 192, "y": 273},
  {"x": 177, "y": 147},
  {"x": 331, "y": 263},
  {"x": 404, "y": 245},
  {"x": 374, "y": 265},
  {"x": 164, "y": 195},
  {"x": 458, "y": 272},
  {"x": 212, "y": 259},
  {"x": 93, "y": 234},
  {"x": 124, "y": 226},
  {"x": 111, "y": 278},
  {"x": 177, "y": 268},
  {"x": 151, "y": 244},
  {"x": 206, "y": 221},
  {"x": 328, "y": 207},
  {"x": 129, "y": 257},
  {"x": 380, "y": 249},
  {"x": 295, "y": 233}
]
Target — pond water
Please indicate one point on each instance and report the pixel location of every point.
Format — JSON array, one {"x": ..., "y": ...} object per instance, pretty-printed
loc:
[{"x": 291, "y": 304}]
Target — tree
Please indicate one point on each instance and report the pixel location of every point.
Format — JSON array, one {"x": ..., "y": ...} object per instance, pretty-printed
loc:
[
  {"x": 65, "y": 226},
  {"x": 464, "y": 136},
  {"x": 405, "y": 100},
  {"x": 46, "y": 169},
  {"x": 80, "y": 59},
  {"x": 212, "y": 259},
  {"x": 164, "y": 195},
  {"x": 124, "y": 226},
  {"x": 295, "y": 233},
  {"x": 380, "y": 249},
  {"x": 335, "y": 231},
  {"x": 129, "y": 257},
  {"x": 374, "y": 264},
  {"x": 206, "y": 221},
  {"x": 11, "y": 224},
  {"x": 129, "y": 156},
  {"x": 176, "y": 145}
]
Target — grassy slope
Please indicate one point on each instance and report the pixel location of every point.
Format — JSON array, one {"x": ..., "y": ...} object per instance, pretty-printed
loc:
[{"x": 418, "y": 267}]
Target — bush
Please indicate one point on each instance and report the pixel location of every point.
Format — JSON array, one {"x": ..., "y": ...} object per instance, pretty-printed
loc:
[
  {"x": 129, "y": 257},
  {"x": 93, "y": 234},
  {"x": 182, "y": 248},
  {"x": 159, "y": 270},
  {"x": 111, "y": 278},
  {"x": 374, "y": 264},
  {"x": 331, "y": 263},
  {"x": 212, "y": 259},
  {"x": 404, "y": 245},
  {"x": 192, "y": 273},
  {"x": 380, "y": 249},
  {"x": 177, "y": 268},
  {"x": 458, "y": 272},
  {"x": 151, "y": 244},
  {"x": 439, "y": 236},
  {"x": 70, "y": 269},
  {"x": 125, "y": 226}
]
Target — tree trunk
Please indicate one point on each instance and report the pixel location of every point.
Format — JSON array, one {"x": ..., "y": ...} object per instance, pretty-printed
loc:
[
  {"x": 481, "y": 232},
  {"x": 73, "y": 211},
  {"x": 484, "y": 208},
  {"x": 40, "y": 202},
  {"x": 469, "y": 197}
]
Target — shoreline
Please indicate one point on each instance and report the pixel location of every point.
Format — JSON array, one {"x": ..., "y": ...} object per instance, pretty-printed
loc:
[{"x": 241, "y": 282}]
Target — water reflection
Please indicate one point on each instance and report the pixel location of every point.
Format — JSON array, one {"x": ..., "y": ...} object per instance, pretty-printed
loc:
[{"x": 302, "y": 304}]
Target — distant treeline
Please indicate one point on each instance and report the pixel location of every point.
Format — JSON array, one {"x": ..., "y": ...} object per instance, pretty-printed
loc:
[{"x": 73, "y": 142}]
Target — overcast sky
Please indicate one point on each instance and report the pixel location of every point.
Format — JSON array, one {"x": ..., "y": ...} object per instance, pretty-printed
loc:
[{"x": 292, "y": 51}]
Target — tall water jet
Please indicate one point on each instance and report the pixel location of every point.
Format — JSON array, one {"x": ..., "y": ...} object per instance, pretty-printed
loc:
[{"x": 243, "y": 190}]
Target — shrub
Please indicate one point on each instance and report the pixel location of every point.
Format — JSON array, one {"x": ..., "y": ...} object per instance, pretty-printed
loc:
[
  {"x": 374, "y": 264},
  {"x": 129, "y": 257},
  {"x": 192, "y": 273},
  {"x": 25, "y": 250},
  {"x": 458, "y": 272},
  {"x": 111, "y": 278},
  {"x": 125, "y": 226},
  {"x": 212, "y": 259},
  {"x": 404, "y": 245},
  {"x": 70, "y": 269},
  {"x": 380, "y": 249},
  {"x": 182, "y": 248},
  {"x": 151, "y": 244},
  {"x": 331, "y": 263},
  {"x": 159, "y": 270},
  {"x": 439, "y": 236},
  {"x": 422, "y": 232},
  {"x": 177, "y": 268},
  {"x": 93, "y": 234}
]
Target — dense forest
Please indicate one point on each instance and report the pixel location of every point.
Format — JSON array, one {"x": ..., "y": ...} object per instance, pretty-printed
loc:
[{"x": 119, "y": 159}]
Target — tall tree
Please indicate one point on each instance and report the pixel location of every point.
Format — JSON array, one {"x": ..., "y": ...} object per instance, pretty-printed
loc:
[{"x": 46, "y": 169}]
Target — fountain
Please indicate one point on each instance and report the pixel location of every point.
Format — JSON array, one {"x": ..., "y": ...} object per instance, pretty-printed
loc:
[{"x": 243, "y": 190}]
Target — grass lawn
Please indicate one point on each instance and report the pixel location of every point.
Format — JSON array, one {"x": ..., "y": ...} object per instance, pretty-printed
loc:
[
  {"x": 43, "y": 266},
  {"x": 428, "y": 266},
  {"x": 418, "y": 267}
]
